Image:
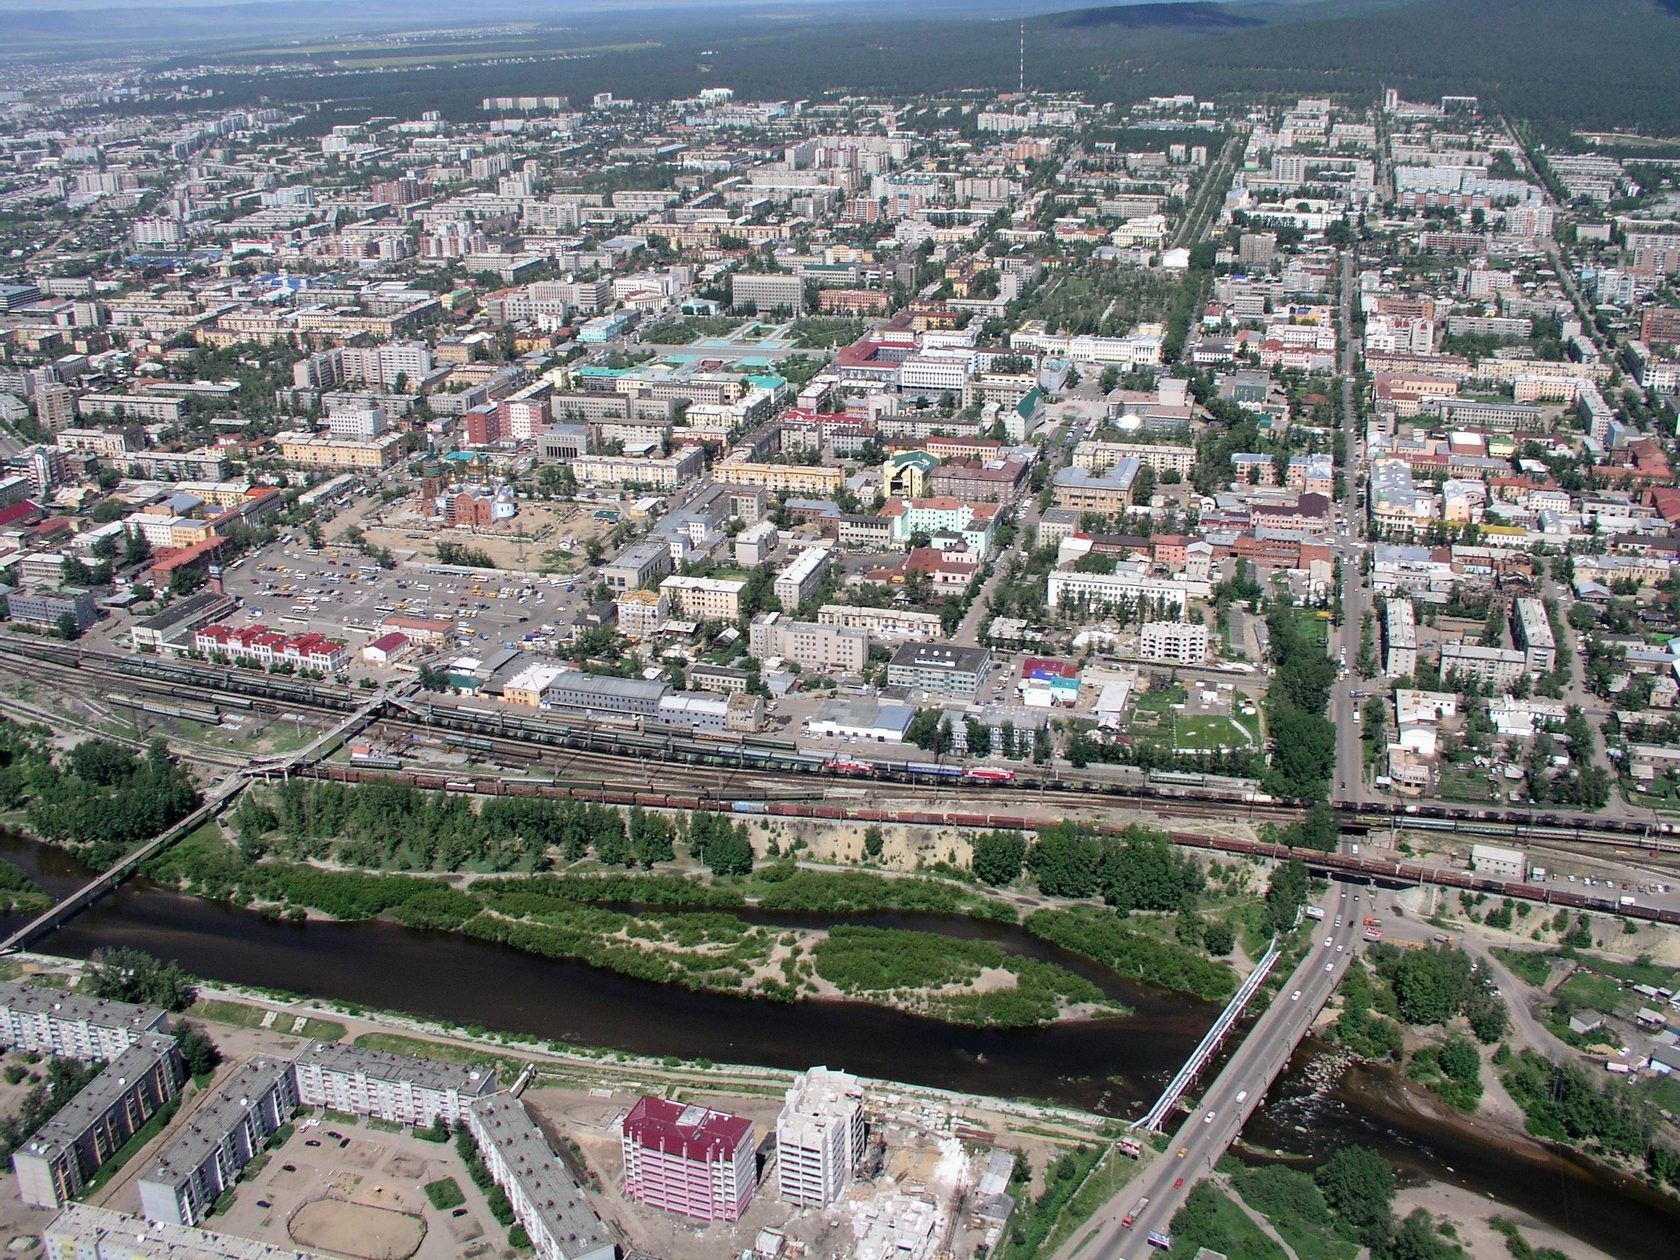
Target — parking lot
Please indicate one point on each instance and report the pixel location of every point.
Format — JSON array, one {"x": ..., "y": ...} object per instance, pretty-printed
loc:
[{"x": 337, "y": 592}]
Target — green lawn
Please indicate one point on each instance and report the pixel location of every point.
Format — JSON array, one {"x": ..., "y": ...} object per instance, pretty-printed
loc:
[
  {"x": 1534, "y": 966},
  {"x": 243, "y": 1016},
  {"x": 1109, "y": 1178},
  {"x": 442, "y": 1052},
  {"x": 1207, "y": 733},
  {"x": 1466, "y": 783},
  {"x": 1584, "y": 988},
  {"x": 1664, "y": 1091},
  {"x": 445, "y": 1193}
]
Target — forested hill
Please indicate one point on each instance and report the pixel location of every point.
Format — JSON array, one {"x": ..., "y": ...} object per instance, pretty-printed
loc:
[{"x": 1600, "y": 63}]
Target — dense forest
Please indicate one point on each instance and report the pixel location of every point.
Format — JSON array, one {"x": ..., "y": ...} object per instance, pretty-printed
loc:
[
  {"x": 1561, "y": 63},
  {"x": 98, "y": 799}
]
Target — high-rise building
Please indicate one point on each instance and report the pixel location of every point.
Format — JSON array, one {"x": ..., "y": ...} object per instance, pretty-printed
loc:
[
  {"x": 689, "y": 1159},
  {"x": 819, "y": 1136}
]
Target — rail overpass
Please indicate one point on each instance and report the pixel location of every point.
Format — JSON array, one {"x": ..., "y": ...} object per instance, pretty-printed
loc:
[{"x": 1153, "y": 1198}]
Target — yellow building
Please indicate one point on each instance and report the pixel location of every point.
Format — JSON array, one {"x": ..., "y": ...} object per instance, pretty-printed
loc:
[
  {"x": 308, "y": 451},
  {"x": 781, "y": 478}
]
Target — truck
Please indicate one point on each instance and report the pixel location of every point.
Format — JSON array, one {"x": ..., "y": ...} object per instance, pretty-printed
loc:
[
  {"x": 1315, "y": 912},
  {"x": 1130, "y": 1148},
  {"x": 1130, "y": 1219},
  {"x": 1441, "y": 939},
  {"x": 1371, "y": 921}
]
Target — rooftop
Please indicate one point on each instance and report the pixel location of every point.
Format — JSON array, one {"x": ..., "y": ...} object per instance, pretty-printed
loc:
[
  {"x": 541, "y": 1177},
  {"x": 383, "y": 1065},
  {"x": 213, "y": 1121},
  {"x": 691, "y": 1131}
]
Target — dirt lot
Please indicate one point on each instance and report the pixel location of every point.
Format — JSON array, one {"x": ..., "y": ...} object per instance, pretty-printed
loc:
[
  {"x": 530, "y": 541},
  {"x": 364, "y": 1199},
  {"x": 357, "y": 1229}
]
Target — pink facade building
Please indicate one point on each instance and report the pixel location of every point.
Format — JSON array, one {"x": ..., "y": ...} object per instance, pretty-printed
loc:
[{"x": 689, "y": 1160}]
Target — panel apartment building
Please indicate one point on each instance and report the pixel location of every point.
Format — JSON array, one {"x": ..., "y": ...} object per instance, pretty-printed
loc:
[
  {"x": 54, "y": 1165},
  {"x": 1531, "y": 631},
  {"x": 397, "y": 1088},
  {"x": 819, "y": 1137},
  {"x": 545, "y": 1197},
  {"x": 71, "y": 1027},
  {"x": 226, "y": 1133},
  {"x": 85, "y": 1232}
]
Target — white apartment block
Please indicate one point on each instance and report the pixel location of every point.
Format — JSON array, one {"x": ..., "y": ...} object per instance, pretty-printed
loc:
[
  {"x": 392, "y": 1087},
  {"x": 1399, "y": 639},
  {"x": 49, "y": 1021},
  {"x": 1182, "y": 642},
  {"x": 1101, "y": 590},
  {"x": 819, "y": 1136},
  {"x": 809, "y": 644},
  {"x": 803, "y": 575},
  {"x": 705, "y": 599}
]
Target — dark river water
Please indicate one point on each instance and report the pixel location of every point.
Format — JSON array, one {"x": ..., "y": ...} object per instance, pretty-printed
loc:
[{"x": 1112, "y": 1066}]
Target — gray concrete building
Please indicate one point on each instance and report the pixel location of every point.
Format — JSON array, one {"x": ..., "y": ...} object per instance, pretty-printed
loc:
[
  {"x": 55, "y": 1163},
  {"x": 638, "y": 567},
  {"x": 939, "y": 669},
  {"x": 44, "y": 608},
  {"x": 226, "y": 1133},
  {"x": 545, "y": 1197},
  {"x": 53, "y": 1022},
  {"x": 1531, "y": 631},
  {"x": 397, "y": 1088}
]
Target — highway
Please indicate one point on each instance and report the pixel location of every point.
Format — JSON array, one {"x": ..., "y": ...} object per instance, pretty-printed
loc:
[{"x": 1233, "y": 1096}]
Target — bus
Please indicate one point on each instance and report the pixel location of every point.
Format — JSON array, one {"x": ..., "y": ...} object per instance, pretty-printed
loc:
[{"x": 1158, "y": 1239}]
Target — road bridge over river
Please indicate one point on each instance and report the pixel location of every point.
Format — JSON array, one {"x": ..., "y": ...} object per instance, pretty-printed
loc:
[{"x": 1233, "y": 1096}]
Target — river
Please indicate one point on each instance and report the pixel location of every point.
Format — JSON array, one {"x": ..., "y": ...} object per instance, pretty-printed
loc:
[{"x": 1113, "y": 1067}]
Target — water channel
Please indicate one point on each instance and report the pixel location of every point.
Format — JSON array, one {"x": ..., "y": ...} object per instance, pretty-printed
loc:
[{"x": 1112, "y": 1066}]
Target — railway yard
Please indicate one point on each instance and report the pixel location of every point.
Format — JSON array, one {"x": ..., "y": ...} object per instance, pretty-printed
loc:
[{"x": 435, "y": 743}]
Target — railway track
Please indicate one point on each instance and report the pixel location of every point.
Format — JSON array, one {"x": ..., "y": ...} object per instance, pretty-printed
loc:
[{"x": 623, "y": 753}]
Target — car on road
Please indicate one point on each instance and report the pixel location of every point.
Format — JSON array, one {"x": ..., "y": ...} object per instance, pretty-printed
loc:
[
  {"x": 1329, "y": 941},
  {"x": 264, "y": 1203},
  {"x": 1242, "y": 1095},
  {"x": 1329, "y": 966},
  {"x": 288, "y": 1167},
  {"x": 1179, "y": 1184},
  {"x": 1208, "y": 1119},
  {"x": 1183, "y": 1151},
  {"x": 1295, "y": 996},
  {"x": 458, "y": 1213}
]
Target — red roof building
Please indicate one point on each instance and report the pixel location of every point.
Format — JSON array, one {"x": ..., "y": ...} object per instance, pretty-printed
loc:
[{"x": 689, "y": 1160}]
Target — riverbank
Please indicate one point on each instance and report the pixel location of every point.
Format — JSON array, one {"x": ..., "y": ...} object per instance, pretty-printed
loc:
[{"x": 724, "y": 935}]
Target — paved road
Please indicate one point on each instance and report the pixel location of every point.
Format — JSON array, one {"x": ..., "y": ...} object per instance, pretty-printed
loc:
[
  {"x": 1356, "y": 595},
  {"x": 1204, "y": 1137}
]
